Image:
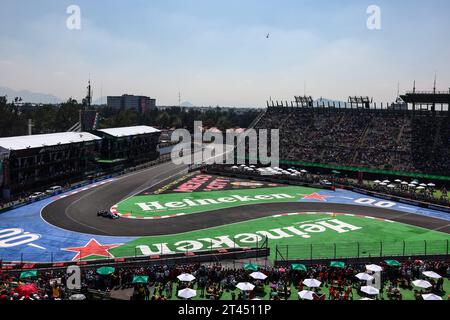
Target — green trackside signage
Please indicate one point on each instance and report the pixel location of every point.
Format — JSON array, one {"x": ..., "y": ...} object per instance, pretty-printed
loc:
[{"x": 195, "y": 202}]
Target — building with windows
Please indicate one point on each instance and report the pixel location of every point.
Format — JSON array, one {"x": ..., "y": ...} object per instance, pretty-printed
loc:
[
  {"x": 29, "y": 162},
  {"x": 35, "y": 162},
  {"x": 139, "y": 103},
  {"x": 127, "y": 146}
]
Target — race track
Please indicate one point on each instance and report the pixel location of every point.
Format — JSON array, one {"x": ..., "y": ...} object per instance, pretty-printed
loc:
[{"x": 78, "y": 212}]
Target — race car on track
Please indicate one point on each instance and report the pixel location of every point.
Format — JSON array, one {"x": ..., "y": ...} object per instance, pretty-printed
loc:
[{"x": 107, "y": 214}]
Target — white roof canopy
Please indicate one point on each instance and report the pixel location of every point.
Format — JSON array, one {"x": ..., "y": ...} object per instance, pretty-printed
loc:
[
  {"x": 45, "y": 140},
  {"x": 129, "y": 131}
]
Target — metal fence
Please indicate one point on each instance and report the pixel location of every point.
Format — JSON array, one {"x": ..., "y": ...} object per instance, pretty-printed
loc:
[
  {"x": 135, "y": 253},
  {"x": 361, "y": 250}
]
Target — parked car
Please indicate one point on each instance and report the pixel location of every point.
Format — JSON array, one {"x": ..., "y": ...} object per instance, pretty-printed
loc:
[
  {"x": 36, "y": 195},
  {"x": 53, "y": 190}
]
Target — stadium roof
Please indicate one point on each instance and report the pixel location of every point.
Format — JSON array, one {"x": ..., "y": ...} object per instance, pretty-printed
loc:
[
  {"x": 45, "y": 140},
  {"x": 427, "y": 97},
  {"x": 129, "y": 131}
]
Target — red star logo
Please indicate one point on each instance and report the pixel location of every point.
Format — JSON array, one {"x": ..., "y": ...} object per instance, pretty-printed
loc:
[
  {"x": 314, "y": 196},
  {"x": 93, "y": 248}
]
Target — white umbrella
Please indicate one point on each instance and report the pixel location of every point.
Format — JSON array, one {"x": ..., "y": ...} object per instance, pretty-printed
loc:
[
  {"x": 370, "y": 290},
  {"x": 187, "y": 293},
  {"x": 77, "y": 297},
  {"x": 306, "y": 295},
  {"x": 414, "y": 182},
  {"x": 431, "y": 297},
  {"x": 366, "y": 299},
  {"x": 404, "y": 183},
  {"x": 422, "y": 284},
  {"x": 431, "y": 185},
  {"x": 386, "y": 181},
  {"x": 411, "y": 185},
  {"x": 312, "y": 283},
  {"x": 423, "y": 185},
  {"x": 431, "y": 274},
  {"x": 364, "y": 276},
  {"x": 303, "y": 171},
  {"x": 374, "y": 268},
  {"x": 257, "y": 299},
  {"x": 420, "y": 188},
  {"x": 383, "y": 184},
  {"x": 234, "y": 167},
  {"x": 398, "y": 181},
  {"x": 377, "y": 181},
  {"x": 186, "y": 277},
  {"x": 258, "y": 276},
  {"x": 391, "y": 186},
  {"x": 245, "y": 286}
]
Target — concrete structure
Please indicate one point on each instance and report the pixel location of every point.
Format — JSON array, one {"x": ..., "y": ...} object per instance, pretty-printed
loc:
[{"x": 138, "y": 103}]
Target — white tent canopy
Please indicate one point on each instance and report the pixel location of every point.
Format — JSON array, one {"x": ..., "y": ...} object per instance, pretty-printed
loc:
[
  {"x": 306, "y": 295},
  {"x": 186, "y": 277},
  {"x": 431, "y": 297},
  {"x": 374, "y": 268},
  {"x": 364, "y": 277},
  {"x": 422, "y": 284},
  {"x": 431, "y": 274},
  {"x": 187, "y": 293},
  {"x": 370, "y": 290},
  {"x": 258, "y": 276},
  {"x": 245, "y": 286},
  {"x": 312, "y": 283}
]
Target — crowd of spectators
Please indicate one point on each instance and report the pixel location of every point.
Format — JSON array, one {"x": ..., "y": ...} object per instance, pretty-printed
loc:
[
  {"x": 213, "y": 281},
  {"x": 378, "y": 140}
]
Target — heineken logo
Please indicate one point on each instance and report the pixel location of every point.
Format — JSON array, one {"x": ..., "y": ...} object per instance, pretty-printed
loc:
[
  {"x": 302, "y": 230},
  {"x": 186, "y": 203},
  {"x": 168, "y": 205}
]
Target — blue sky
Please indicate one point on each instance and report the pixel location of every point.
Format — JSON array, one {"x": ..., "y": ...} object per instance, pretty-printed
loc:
[{"x": 216, "y": 52}]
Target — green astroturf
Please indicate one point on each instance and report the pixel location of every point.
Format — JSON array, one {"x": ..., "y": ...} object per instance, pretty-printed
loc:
[
  {"x": 360, "y": 237},
  {"x": 172, "y": 203}
]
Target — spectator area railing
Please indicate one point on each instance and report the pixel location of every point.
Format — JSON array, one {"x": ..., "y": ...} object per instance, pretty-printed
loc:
[
  {"x": 352, "y": 250},
  {"x": 134, "y": 256},
  {"x": 414, "y": 175}
]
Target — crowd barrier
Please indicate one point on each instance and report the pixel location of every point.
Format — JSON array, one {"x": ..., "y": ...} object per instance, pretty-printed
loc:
[{"x": 188, "y": 257}]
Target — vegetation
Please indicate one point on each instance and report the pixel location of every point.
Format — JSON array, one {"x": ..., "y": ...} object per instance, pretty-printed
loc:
[{"x": 59, "y": 118}]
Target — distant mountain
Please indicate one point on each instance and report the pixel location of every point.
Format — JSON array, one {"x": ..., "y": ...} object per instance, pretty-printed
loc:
[
  {"x": 28, "y": 96},
  {"x": 100, "y": 101},
  {"x": 324, "y": 101},
  {"x": 187, "y": 104}
]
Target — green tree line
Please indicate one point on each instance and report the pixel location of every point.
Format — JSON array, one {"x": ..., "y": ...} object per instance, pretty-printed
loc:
[{"x": 59, "y": 118}]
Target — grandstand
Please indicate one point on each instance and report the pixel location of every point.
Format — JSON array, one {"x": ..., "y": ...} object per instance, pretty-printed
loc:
[{"x": 366, "y": 137}]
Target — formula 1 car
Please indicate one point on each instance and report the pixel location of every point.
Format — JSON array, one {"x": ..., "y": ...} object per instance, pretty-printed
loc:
[{"x": 107, "y": 214}]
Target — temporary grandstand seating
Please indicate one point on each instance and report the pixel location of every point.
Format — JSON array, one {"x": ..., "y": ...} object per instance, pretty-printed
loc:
[{"x": 377, "y": 139}]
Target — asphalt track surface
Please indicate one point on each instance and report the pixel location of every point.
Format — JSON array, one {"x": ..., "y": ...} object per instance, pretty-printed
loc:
[{"x": 79, "y": 212}]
